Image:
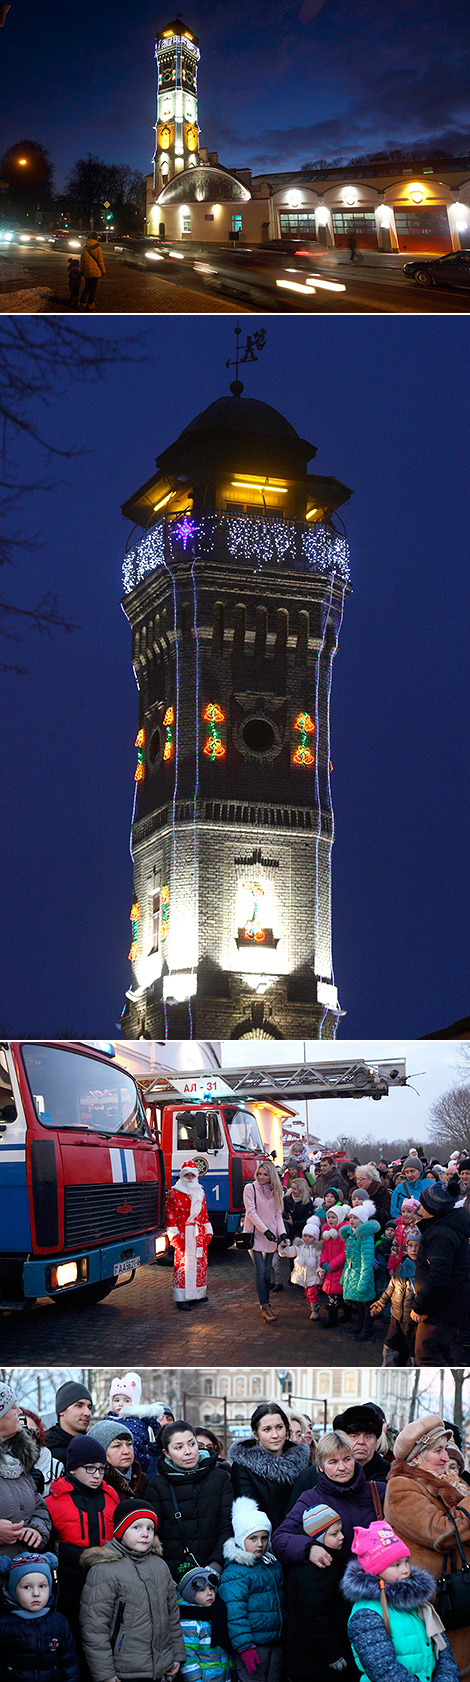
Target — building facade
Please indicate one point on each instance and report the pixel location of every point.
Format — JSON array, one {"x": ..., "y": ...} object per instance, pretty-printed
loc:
[
  {"x": 235, "y": 596},
  {"x": 417, "y": 206}
]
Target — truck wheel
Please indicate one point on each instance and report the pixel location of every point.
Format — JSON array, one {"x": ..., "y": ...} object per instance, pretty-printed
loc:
[{"x": 86, "y": 1297}]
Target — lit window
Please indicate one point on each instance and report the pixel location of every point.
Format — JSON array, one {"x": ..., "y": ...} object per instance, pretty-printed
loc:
[{"x": 236, "y": 222}]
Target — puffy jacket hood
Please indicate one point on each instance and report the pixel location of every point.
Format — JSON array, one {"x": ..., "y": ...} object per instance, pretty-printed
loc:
[
  {"x": 232, "y": 1552},
  {"x": 405, "y": 1596},
  {"x": 111, "y": 1551},
  {"x": 279, "y": 1468},
  {"x": 23, "y": 1448}
]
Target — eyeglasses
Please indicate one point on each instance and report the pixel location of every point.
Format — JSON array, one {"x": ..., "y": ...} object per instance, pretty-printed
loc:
[{"x": 100, "y": 1469}]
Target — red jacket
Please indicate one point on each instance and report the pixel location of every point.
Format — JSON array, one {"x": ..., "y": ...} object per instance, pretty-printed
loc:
[
  {"x": 333, "y": 1257},
  {"x": 71, "y": 1521}
]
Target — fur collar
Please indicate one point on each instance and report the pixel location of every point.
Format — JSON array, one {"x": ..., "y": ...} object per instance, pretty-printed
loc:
[
  {"x": 21, "y": 1448},
  {"x": 407, "y": 1596},
  {"x": 232, "y": 1553},
  {"x": 110, "y": 1552},
  {"x": 278, "y": 1468},
  {"x": 437, "y": 1487},
  {"x": 139, "y": 1410}
]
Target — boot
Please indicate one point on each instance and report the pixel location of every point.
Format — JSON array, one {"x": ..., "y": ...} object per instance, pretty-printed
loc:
[
  {"x": 267, "y": 1311},
  {"x": 332, "y": 1314},
  {"x": 367, "y": 1328}
]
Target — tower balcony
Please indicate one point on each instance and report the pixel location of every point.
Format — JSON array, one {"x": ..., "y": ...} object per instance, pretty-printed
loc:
[{"x": 250, "y": 543}]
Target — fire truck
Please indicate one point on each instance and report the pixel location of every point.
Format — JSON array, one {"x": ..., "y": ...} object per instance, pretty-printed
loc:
[
  {"x": 82, "y": 1177},
  {"x": 198, "y": 1116}
]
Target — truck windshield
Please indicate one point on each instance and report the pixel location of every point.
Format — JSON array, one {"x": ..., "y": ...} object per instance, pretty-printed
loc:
[
  {"x": 244, "y": 1131},
  {"x": 73, "y": 1091}
]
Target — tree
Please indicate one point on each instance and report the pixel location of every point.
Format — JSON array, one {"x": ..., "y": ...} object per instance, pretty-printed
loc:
[
  {"x": 450, "y": 1119},
  {"x": 27, "y": 168},
  {"x": 39, "y": 360},
  {"x": 91, "y": 182},
  {"x": 86, "y": 187}
]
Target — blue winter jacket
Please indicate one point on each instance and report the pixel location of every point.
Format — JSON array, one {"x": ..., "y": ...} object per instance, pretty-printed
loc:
[
  {"x": 407, "y": 1651},
  {"x": 403, "y": 1189},
  {"x": 36, "y": 1649},
  {"x": 254, "y": 1597}
]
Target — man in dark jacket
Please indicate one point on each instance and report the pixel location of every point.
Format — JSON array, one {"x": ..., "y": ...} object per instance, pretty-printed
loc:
[
  {"x": 74, "y": 1408},
  {"x": 327, "y": 1177},
  {"x": 442, "y": 1280},
  {"x": 363, "y": 1425}
]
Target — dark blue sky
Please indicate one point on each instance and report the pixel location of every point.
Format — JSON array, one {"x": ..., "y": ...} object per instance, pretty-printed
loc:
[
  {"x": 385, "y": 401},
  {"x": 280, "y": 83}
]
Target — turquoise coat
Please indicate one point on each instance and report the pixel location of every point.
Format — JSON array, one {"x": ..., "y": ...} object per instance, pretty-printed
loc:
[
  {"x": 357, "y": 1279},
  {"x": 413, "y": 1647}
]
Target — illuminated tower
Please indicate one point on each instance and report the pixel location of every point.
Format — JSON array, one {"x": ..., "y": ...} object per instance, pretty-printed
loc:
[
  {"x": 177, "y": 133},
  {"x": 235, "y": 596}
]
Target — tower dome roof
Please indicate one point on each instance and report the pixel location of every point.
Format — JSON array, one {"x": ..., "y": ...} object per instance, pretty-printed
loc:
[{"x": 235, "y": 421}]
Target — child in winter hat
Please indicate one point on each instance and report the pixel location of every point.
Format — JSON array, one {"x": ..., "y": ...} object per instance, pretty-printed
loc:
[
  {"x": 34, "y": 1638},
  {"x": 129, "y": 1615},
  {"x": 119, "y": 1396},
  {"x": 316, "y": 1614},
  {"x": 392, "y": 1625},
  {"x": 306, "y": 1252},
  {"x": 332, "y": 1259},
  {"x": 251, "y": 1586},
  {"x": 204, "y": 1626}
]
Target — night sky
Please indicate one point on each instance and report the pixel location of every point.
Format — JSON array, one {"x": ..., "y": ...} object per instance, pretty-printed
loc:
[
  {"x": 278, "y": 85},
  {"x": 385, "y": 400}
]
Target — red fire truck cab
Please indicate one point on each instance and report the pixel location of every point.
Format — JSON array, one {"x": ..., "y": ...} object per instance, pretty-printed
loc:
[
  {"x": 220, "y": 1133},
  {"x": 82, "y": 1179}
]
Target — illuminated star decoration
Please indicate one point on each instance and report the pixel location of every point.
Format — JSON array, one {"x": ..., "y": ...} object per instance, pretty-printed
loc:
[{"x": 185, "y": 530}]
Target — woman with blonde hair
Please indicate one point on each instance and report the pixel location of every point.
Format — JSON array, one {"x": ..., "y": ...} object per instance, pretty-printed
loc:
[
  {"x": 298, "y": 1206},
  {"x": 264, "y": 1218}
]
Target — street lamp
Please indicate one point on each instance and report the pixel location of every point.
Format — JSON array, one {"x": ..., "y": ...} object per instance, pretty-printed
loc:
[{"x": 282, "y": 1374}]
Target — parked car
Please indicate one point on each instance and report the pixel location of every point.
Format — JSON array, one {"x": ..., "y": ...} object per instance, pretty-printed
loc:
[{"x": 451, "y": 270}]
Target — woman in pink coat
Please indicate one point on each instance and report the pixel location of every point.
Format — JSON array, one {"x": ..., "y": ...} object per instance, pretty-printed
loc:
[
  {"x": 332, "y": 1259},
  {"x": 264, "y": 1216}
]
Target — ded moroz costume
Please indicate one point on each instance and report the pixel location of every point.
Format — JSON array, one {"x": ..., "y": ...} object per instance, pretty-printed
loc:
[{"x": 190, "y": 1232}]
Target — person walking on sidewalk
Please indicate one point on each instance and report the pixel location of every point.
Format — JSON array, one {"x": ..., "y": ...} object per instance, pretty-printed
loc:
[{"x": 264, "y": 1217}]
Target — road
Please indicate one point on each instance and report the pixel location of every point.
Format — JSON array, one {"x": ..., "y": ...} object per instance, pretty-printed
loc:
[
  {"x": 141, "y": 1322},
  {"x": 127, "y": 290}
]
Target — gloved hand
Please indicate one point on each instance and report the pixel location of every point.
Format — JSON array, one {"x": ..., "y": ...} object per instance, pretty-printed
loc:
[
  {"x": 251, "y": 1659},
  {"x": 272, "y": 1240},
  {"x": 338, "y": 1664}
]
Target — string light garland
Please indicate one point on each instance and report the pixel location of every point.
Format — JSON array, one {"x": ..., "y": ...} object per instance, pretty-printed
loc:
[
  {"x": 139, "y": 772},
  {"x": 251, "y": 540},
  {"x": 214, "y": 744},
  {"x": 168, "y": 722},
  {"x": 303, "y": 727},
  {"x": 135, "y": 919},
  {"x": 164, "y": 916}
]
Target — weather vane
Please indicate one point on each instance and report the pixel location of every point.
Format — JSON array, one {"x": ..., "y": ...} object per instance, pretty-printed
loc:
[{"x": 249, "y": 352}]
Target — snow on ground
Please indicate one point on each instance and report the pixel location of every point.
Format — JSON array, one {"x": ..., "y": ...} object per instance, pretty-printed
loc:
[{"x": 29, "y": 302}]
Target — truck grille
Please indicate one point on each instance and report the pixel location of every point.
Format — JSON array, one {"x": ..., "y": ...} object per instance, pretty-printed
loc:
[{"x": 94, "y": 1214}]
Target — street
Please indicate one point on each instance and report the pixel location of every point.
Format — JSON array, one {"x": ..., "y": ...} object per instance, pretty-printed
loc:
[
  {"x": 369, "y": 287},
  {"x": 139, "y": 1320}
]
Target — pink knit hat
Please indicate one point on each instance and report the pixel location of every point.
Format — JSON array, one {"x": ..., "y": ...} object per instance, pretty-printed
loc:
[{"x": 378, "y": 1547}]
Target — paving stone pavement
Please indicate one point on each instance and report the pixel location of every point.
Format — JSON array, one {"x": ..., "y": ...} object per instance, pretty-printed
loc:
[{"x": 141, "y": 1321}]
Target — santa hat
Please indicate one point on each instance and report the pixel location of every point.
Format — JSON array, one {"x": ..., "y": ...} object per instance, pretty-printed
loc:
[
  {"x": 363, "y": 1212},
  {"x": 190, "y": 1168},
  {"x": 247, "y": 1519},
  {"x": 378, "y": 1547},
  {"x": 132, "y": 1385}
]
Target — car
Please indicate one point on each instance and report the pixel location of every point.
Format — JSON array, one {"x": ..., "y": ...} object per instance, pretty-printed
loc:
[
  {"x": 69, "y": 239},
  {"x": 146, "y": 251},
  {"x": 451, "y": 270}
]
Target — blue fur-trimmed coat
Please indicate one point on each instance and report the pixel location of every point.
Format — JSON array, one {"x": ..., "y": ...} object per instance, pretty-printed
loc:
[
  {"x": 254, "y": 1596},
  {"x": 408, "y": 1650},
  {"x": 357, "y": 1279}
]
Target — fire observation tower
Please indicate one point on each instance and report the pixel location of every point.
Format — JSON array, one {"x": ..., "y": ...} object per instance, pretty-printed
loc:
[
  {"x": 176, "y": 130},
  {"x": 235, "y": 596}
]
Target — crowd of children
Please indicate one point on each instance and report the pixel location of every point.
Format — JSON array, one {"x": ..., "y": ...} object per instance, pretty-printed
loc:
[
  {"x": 341, "y": 1256},
  {"x": 373, "y": 1617}
]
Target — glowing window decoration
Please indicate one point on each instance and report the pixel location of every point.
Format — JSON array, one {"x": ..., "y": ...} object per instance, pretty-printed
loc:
[
  {"x": 252, "y": 540},
  {"x": 168, "y": 723},
  {"x": 135, "y": 919},
  {"x": 185, "y": 530},
  {"x": 253, "y": 932},
  {"x": 164, "y": 916},
  {"x": 303, "y": 727},
  {"x": 139, "y": 772},
  {"x": 214, "y": 744}
]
